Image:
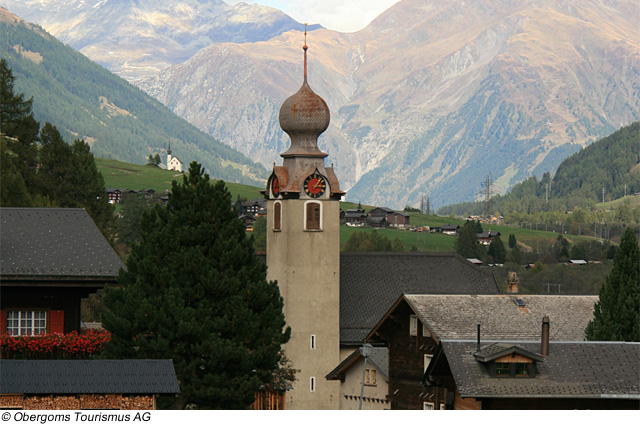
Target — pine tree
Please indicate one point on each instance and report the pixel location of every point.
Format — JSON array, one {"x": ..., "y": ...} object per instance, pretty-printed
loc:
[
  {"x": 195, "y": 292},
  {"x": 497, "y": 250},
  {"x": 512, "y": 241},
  {"x": 467, "y": 242},
  {"x": 616, "y": 316}
]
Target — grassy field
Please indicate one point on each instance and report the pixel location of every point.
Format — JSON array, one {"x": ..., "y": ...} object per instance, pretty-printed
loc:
[
  {"x": 119, "y": 174},
  {"x": 123, "y": 175}
]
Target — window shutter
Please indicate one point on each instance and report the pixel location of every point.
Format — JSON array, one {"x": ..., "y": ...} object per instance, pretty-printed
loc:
[
  {"x": 313, "y": 216},
  {"x": 56, "y": 321},
  {"x": 3, "y": 322},
  {"x": 276, "y": 215}
]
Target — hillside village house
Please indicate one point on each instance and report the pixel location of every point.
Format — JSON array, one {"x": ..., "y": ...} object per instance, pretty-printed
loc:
[
  {"x": 485, "y": 238},
  {"x": 450, "y": 229},
  {"x": 415, "y": 325},
  {"x": 355, "y": 218},
  {"x": 386, "y": 217},
  {"x": 51, "y": 258}
]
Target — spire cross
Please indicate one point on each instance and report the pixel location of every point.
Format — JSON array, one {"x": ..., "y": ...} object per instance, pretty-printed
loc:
[{"x": 305, "y": 47}]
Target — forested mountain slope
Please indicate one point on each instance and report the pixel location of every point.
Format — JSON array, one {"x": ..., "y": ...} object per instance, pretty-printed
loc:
[
  {"x": 612, "y": 163},
  {"x": 85, "y": 101}
]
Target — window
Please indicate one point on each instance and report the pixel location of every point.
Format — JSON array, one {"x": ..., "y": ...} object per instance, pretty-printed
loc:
[
  {"x": 26, "y": 322},
  {"x": 312, "y": 342},
  {"x": 522, "y": 369},
  {"x": 370, "y": 377},
  {"x": 502, "y": 369},
  {"x": 413, "y": 325},
  {"x": 428, "y": 406},
  {"x": 427, "y": 360},
  {"x": 312, "y": 216},
  {"x": 277, "y": 213},
  {"x": 312, "y": 384}
]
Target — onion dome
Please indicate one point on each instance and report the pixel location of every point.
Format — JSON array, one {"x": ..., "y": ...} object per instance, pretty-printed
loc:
[{"x": 304, "y": 116}]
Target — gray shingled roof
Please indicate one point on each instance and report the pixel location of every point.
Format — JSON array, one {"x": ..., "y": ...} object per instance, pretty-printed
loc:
[
  {"x": 53, "y": 242},
  {"x": 457, "y": 316},
  {"x": 572, "y": 369},
  {"x": 370, "y": 283},
  {"x": 88, "y": 377}
]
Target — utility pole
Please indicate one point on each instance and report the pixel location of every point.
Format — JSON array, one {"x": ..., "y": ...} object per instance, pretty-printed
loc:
[{"x": 603, "y": 194}]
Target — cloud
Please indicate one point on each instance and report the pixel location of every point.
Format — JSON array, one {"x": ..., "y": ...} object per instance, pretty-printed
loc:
[{"x": 338, "y": 15}]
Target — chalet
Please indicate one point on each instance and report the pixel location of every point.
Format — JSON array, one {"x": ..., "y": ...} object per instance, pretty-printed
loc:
[
  {"x": 511, "y": 374},
  {"x": 376, "y": 382},
  {"x": 248, "y": 220},
  {"x": 355, "y": 218},
  {"x": 115, "y": 195},
  {"x": 378, "y": 216},
  {"x": 485, "y": 238},
  {"x": 255, "y": 207},
  {"x": 414, "y": 326},
  {"x": 85, "y": 384},
  {"x": 399, "y": 219},
  {"x": 50, "y": 258},
  {"x": 386, "y": 217},
  {"x": 450, "y": 229}
]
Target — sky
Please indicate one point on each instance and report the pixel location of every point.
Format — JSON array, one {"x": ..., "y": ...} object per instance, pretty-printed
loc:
[{"x": 337, "y": 15}]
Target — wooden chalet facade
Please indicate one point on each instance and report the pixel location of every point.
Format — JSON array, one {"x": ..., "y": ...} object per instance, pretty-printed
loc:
[
  {"x": 415, "y": 325},
  {"x": 355, "y": 218},
  {"x": 386, "y": 217},
  {"x": 538, "y": 375},
  {"x": 85, "y": 384},
  {"x": 50, "y": 258},
  {"x": 485, "y": 238}
]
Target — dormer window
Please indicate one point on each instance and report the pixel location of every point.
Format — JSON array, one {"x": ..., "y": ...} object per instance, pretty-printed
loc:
[{"x": 512, "y": 361}]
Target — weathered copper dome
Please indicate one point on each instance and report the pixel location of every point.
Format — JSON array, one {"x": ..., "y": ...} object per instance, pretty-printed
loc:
[{"x": 304, "y": 116}]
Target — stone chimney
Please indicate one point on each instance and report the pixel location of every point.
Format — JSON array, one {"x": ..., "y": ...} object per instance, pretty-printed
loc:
[
  {"x": 512, "y": 283},
  {"x": 544, "y": 345}
]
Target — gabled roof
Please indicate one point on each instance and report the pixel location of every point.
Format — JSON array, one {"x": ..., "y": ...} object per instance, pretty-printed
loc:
[
  {"x": 571, "y": 370},
  {"x": 500, "y": 349},
  {"x": 54, "y": 243},
  {"x": 371, "y": 282},
  {"x": 379, "y": 358},
  {"x": 88, "y": 377},
  {"x": 457, "y": 316}
]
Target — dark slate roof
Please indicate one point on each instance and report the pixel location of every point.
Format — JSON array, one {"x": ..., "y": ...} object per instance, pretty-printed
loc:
[
  {"x": 457, "y": 316},
  {"x": 370, "y": 283},
  {"x": 54, "y": 242},
  {"x": 88, "y": 377},
  {"x": 500, "y": 349},
  {"x": 571, "y": 370}
]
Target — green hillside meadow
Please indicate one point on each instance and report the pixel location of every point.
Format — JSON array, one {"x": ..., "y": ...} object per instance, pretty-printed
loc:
[{"x": 123, "y": 175}]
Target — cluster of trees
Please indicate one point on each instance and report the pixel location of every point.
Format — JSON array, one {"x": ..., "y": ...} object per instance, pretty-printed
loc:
[
  {"x": 467, "y": 246},
  {"x": 39, "y": 168},
  {"x": 374, "y": 241}
]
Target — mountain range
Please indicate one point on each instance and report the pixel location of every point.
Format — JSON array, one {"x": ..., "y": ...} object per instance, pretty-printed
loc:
[
  {"x": 86, "y": 101},
  {"x": 428, "y": 99}
]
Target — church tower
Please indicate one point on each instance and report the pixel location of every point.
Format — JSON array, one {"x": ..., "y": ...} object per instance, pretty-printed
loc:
[{"x": 303, "y": 249}]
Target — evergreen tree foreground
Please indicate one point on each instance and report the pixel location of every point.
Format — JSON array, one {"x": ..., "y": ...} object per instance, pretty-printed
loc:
[
  {"x": 616, "y": 316},
  {"x": 195, "y": 292}
]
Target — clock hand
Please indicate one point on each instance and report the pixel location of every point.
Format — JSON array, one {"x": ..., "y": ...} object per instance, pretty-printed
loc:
[{"x": 318, "y": 183}]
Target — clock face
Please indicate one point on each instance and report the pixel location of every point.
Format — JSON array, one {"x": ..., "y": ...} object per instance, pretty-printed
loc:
[
  {"x": 315, "y": 185},
  {"x": 275, "y": 187}
]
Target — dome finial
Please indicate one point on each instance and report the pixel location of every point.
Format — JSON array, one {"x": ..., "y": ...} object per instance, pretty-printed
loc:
[{"x": 305, "y": 47}]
